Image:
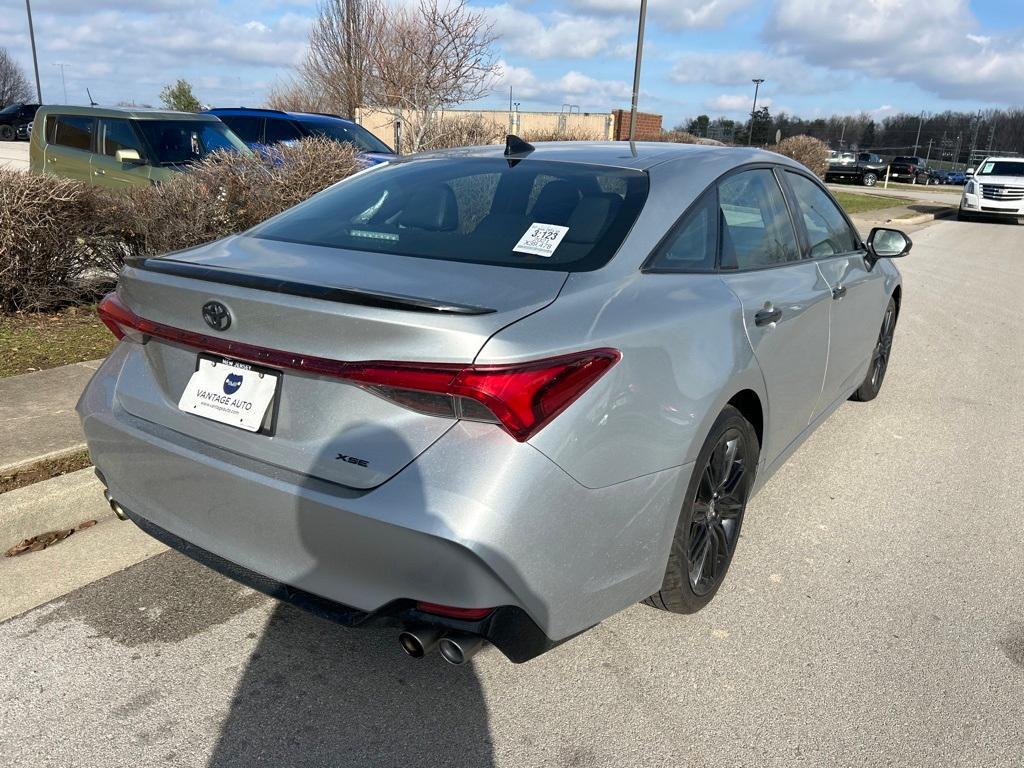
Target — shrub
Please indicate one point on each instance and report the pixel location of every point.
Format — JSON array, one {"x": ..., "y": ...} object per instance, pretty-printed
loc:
[
  {"x": 43, "y": 254},
  {"x": 570, "y": 133},
  {"x": 807, "y": 150},
  {"x": 462, "y": 131},
  {"x": 56, "y": 235}
]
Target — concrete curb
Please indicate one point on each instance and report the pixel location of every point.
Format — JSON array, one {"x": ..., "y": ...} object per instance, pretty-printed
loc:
[
  {"x": 926, "y": 217},
  {"x": 27, "y": 464},
  {"x": 60, "y": 502}
]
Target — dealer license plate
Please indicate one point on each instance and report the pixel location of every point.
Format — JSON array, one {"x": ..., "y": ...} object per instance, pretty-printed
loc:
[{"x": 230, "y": 392}]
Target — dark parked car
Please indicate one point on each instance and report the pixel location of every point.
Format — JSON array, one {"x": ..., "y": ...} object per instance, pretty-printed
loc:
[
  {"x": 936, "y": 176},
  {"x": 910, "y": 169},
  {"x": 867, "y": 169},
  {"x": 261, "y": 128},
  {"x": 16, "y": 120}
]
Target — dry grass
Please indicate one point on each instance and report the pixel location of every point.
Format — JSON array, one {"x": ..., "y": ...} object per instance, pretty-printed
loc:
[{"x": 32, "y": 341}]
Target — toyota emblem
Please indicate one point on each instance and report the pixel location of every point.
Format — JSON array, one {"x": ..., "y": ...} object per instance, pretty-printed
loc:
[{"x": 216, "y": 315}]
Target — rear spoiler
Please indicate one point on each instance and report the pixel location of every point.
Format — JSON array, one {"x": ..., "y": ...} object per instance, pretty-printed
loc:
[{"x": 323, "y": 292}]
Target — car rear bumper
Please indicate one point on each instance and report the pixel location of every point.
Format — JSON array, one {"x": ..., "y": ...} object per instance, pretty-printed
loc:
[{"x": 477, "y": 520}]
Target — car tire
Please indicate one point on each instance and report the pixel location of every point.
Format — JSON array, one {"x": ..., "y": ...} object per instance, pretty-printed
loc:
[
  {"x": 711, "y": 517},
  {"x": 6, "y": 133},
  {"x": 962, "y": 215},
  {"x": 869, "y": 388},
  {"x": 869, "y": 179}
]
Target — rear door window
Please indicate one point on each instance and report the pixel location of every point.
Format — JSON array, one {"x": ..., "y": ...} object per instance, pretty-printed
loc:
[
  {"x": 480, "y": 210},
  {"x": 74, "y": 131},
  {"x": 248, "y": 129},
  {"x": 278, "y": 130},
  {"x": 756, "y": 229},
  {"x": 692, "y": 245}
]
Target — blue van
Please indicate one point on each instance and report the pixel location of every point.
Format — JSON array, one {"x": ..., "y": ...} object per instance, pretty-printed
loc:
[{"x": 260, "y": 128}]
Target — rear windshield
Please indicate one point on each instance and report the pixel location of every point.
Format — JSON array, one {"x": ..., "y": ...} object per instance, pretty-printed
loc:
[
  {"x": 529, "y": 213},
  {"x": 1002, "y": 168}
]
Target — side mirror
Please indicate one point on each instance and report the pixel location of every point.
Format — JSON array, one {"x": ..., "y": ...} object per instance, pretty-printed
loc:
[
  {"x": 888, "y": 244},
  {"x": 970, "y": 172},
  {"x": 128, "y": 156}
]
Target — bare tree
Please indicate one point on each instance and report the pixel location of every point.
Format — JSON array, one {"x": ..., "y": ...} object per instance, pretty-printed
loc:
[
  {"x": 334, "y": 73},
  {"x": 425, "y": 58},
  {"x": 14, "y": 86}
]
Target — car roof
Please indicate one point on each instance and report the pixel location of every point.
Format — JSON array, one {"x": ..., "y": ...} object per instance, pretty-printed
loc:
[
  {"x": 639, "y": 155},
  {"x": 999, "y": 159},
  {"x": 137, "y": 113},
  {"x": 304, "y": 117}
]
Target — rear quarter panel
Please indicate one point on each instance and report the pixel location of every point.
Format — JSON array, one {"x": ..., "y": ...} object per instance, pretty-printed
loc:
[{"x": 684, "y": 354}]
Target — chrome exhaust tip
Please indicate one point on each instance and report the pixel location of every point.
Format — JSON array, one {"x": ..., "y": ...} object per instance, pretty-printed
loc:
[
  {"x": 419, "y": 642},
  {"x": 116, "y": 508},
  {"x": 459, "y": 648}
]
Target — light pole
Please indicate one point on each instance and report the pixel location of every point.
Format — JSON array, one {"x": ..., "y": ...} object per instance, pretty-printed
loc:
[
  {"x": 35, "y": 61},
  {"x": 753, "y": 110},
  {"x": 636, "y": 68}
]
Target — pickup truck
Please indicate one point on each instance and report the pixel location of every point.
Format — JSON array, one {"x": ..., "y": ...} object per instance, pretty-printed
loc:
[
  {"x": 866, "y": 169},
  {"x": 912, "y": 170}
]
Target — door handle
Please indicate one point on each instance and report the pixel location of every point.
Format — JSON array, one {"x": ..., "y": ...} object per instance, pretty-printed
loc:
[
  {"x": 838, "y": 292},
  {"x": 768, "y": 315}
]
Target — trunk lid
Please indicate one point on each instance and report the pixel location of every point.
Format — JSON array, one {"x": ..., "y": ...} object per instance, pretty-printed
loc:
[{"x": 323, "y": 302}]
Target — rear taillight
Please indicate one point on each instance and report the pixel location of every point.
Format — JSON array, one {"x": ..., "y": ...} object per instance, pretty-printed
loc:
[
  {"x": 121, "y": 321},
  {"x": 521, "y": 397}
]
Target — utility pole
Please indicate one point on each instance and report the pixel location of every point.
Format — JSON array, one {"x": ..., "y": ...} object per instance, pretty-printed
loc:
[
  {"x": 974, "y": 137},
  {"x": 753, "y": 110},
  {"x": 636, "y": 68},
  {"x": 35, "y": 61},
  {"x": 63, "y": 82},
  {"x": 842, "y": 135},
  {"x": 991, "y": 137},
  {"x": 929, "y": 155},
  {"x": 917, "y": 141},
  {"x": 956, "y": 154}
]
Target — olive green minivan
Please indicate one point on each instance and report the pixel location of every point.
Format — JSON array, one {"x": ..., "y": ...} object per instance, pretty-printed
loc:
[{"x": 116, "y": 148}]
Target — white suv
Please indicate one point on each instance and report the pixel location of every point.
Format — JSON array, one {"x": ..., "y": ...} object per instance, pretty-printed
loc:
[{"x": 996, "y": 189}]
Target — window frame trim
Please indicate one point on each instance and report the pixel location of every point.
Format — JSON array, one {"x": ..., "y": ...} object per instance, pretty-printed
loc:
[{"x": 100, "y": 142}]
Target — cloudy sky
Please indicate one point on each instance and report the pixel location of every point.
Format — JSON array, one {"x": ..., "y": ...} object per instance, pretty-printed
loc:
[{"x": 818, "y": 56}]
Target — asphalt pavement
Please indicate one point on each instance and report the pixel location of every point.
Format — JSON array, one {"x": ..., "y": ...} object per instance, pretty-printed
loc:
[
  {"x": 873, "y": 614},
  {"x": 14, "y": 155}
]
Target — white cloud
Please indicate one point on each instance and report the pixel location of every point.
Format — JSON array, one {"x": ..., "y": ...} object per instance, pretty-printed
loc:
[
  {"x": 565, "y": 37},
  {"x": 923, "y": 42},
  {"x": 674, "y": 14},
  {"x": 573, "y": 87},
  {"x": 736, "y": 103},
  {"x": 788, "y": 73}
]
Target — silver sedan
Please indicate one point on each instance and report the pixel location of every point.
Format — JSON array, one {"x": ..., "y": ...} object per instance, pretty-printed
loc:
[{"x": 492, "y": 394}]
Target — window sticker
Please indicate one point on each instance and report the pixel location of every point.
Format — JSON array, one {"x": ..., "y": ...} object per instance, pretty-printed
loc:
[
  {"x": 987, "y": 168},
  {"x": 541, "y": 239}
]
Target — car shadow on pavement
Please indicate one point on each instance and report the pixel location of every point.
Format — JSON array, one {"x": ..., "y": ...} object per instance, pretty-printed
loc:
[{"x": 315, "y": 693}]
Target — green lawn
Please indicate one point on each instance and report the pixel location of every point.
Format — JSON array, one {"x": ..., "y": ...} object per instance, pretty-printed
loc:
[
  {"x": 855, "y": 202},
  {"x": 32, "y": 341}
]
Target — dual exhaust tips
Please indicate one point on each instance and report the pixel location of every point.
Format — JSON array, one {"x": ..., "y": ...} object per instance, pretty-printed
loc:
[{"x": 456, "y": 648}]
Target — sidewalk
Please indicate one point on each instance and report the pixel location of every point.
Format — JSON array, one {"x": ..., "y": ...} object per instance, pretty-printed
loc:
[{"x": 37, "y": 411}]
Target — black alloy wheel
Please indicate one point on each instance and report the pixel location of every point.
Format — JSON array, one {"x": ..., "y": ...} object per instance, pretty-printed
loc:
[
  {"x": 879, "y": 364},
  {"x": 717, "y": 510},
  {"x": 709, "y": 523}
]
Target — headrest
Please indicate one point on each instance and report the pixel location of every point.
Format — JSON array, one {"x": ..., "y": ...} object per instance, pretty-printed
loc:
[
  {"x": 555, "y": 203},
  {"x": 591, "y": 217},
  {"x": 433, "y": 208}
]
